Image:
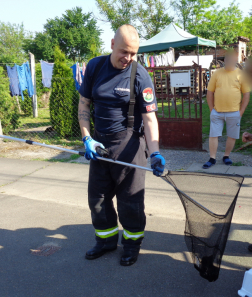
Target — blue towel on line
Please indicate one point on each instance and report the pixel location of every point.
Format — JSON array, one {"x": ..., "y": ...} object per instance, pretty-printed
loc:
[{"x": 14, "y": 81}]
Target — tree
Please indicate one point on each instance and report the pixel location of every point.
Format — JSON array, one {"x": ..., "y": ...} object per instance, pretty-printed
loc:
[
  {"x": 117, "y": 12},
  {"x": 190, "y": 12},
  {"x": 42, "y": 46},
  {"x": 246, "y": 31},
  {"x": 75, "y": 32},
  {"x": 12, "y": 37},
  {"x": 223, "y": 25},
  {"x": 8, "y": 109},
  {"x": 148, "y": 16},
  {"x": 64, "y": 98},
  {"x": 153, "y": 17}
]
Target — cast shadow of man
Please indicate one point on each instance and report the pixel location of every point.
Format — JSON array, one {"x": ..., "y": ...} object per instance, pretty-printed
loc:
[{"x": 164, "y": 267}]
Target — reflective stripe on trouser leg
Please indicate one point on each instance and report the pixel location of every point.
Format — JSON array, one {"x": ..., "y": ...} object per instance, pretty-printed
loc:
[
  {"x": 132, "y": 235},
  {"x": 107, "y": 232}
]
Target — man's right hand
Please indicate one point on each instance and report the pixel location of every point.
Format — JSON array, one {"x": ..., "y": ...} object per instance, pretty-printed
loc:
[
  {"x": 90, "y": 146},
  {"x": 246, "y": 137}
]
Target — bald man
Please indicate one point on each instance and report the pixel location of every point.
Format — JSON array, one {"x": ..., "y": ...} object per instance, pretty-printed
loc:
[{"x": 124, "y": 119}]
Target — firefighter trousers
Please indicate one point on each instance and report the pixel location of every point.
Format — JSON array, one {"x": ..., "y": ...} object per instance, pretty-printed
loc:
[{"x": 107, "y": 180}]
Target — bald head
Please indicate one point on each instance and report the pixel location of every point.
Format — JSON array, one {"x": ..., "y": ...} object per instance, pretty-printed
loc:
[
  {"x": 127, "y": 33},
  {"x": 125, "y": 46}
]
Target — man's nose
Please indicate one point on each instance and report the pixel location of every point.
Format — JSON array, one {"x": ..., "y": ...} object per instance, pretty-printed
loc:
[{"x": 127, "y": 57}]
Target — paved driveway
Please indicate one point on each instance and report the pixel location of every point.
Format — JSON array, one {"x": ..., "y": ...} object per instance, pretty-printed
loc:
[{"x": 43, "y": 202}]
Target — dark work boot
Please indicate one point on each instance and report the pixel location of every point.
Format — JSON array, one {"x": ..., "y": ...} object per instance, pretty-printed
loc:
[
  {"x": 130, "y": 254},
  {"x": 100, "y": 249}
]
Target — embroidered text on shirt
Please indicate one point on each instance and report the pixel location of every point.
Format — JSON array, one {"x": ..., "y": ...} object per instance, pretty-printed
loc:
[{"x": 122, "y": 89}]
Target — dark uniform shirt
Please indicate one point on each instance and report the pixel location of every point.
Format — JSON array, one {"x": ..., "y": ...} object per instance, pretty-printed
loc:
[{"x": 111, "y": 95}]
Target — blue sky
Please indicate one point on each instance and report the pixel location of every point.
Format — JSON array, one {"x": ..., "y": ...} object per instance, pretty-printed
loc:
[{"x": 34, "y": 13}]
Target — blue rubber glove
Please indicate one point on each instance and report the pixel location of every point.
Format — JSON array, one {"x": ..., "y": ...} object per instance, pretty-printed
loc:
[
  {"x": 157, "y": 163},
  {"x": 90, "y": 146}
]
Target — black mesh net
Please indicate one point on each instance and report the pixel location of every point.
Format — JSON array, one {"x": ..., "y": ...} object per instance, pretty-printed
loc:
[{"x": 209, "y": 202}]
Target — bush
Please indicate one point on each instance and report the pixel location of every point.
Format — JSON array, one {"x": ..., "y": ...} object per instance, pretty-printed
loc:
[
  {"x": 64, "y": 98},
  {"x": 41, "y": 90},
  {"x": 8, "y": 108},
  {"x": 26, "y": 104}
]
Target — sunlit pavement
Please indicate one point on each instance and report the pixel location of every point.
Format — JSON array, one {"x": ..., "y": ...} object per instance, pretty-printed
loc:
[{"x": 46, "y": 203}]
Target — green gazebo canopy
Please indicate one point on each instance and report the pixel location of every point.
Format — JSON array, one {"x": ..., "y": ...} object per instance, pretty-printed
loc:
[{"x": 172, "y": 36}]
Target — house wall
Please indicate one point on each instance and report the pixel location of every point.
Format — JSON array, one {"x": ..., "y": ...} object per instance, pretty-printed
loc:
[
  {"x": 240, "y": 46},
  {"x": 242, "y": 51}
]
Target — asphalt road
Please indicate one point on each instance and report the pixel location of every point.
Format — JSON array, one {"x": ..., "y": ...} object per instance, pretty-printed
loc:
[{"x": 46, "y": 203}]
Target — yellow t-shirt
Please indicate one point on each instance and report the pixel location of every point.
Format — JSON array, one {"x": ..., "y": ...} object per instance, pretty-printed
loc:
[{"x": 227, "y": 87}]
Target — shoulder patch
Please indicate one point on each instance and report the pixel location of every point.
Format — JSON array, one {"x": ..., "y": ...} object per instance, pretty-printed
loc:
[
  {"x": 151, "y": 107},
  {"x": 148, "y": 95}
]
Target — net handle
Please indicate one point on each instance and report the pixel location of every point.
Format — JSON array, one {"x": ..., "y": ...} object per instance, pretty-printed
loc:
[{"x": 107, "y": 160}]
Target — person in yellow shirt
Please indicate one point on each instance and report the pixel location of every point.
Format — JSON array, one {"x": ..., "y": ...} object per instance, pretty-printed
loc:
[{"x": 226, "y": 103}]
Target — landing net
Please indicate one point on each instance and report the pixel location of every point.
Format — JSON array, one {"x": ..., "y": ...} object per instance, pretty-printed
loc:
[{"x": 209, "y": 201}]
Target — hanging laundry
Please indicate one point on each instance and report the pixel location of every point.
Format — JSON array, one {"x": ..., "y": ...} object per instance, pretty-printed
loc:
[
  {"x": 83, "y": 69},
  {"x": 158, "y": 60},
  {"x": 77, "y": 75},
  {"x": 140, "y": 59},
  {"x": 152, "y": 61},
  {"x": 170, "y": 56},
  {"x": 14, "y": 82},
  {"x": 164, "y": 60},
  {"x": 25, "y": 80},
  {"x": 29, "y": 80},
  {"x": 146, "y": 60},
  {"x": 47, "y": 72}
]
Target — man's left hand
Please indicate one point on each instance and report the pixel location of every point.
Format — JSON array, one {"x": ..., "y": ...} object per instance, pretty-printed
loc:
[
  {"x": 246, "y": 137},
  {"x": 157, "y": 163}
]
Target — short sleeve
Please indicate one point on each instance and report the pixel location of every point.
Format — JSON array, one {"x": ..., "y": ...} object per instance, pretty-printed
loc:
[
  {"x": 145, "y": 93},
  {"x": 85, "y": 88},
  {"x": 212, "y": 83},
  {"x": 245, "y": 87}
]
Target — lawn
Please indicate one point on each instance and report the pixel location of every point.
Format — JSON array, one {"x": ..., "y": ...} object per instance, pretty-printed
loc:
[{"x": 44, "y": 120}]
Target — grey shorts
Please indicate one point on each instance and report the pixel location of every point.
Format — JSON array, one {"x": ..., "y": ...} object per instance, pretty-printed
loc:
[{"x": 232, "y": 120}]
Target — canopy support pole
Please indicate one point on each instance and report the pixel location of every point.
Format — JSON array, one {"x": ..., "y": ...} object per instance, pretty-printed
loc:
[
  {"x": 198, "y": 52},
  {"x": 216, "y": 56}
]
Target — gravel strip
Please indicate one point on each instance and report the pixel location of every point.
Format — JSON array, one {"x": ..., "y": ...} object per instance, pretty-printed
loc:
[{"x": 175, "y": 159}]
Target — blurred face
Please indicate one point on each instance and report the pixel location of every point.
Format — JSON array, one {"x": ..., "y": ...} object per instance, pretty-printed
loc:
[
  {"x": 230, "y": 62},
  {"x": 124, "y": 51}
]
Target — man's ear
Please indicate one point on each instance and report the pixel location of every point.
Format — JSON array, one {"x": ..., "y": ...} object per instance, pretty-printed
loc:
[{"x": 112, "y": 43}]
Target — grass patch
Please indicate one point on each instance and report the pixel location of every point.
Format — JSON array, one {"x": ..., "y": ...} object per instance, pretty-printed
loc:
[
  {"x": 188, "y": 113},
  {"x": 62, "y": 160},
  {"x": 246, "y": 121},
  {"x": 42, "y": 119},
  {"x": 237, "y": 164}
]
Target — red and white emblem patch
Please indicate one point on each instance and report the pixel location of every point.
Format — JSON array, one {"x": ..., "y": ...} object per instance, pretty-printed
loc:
[
  {"x": 148, "y": 95},
  {"x": 151, "y": 107}
]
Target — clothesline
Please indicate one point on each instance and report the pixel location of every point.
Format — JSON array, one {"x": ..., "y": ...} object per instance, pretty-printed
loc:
[
  {"x": 156, "y": 60},
  {"x": 20, "y": 76},
  {"x": 20, "y": 79},
  {"x": 12, "y": 63}
]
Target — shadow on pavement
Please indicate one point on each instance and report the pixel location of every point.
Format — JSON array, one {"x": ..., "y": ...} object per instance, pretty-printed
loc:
[{"x": 163, "y": 267}]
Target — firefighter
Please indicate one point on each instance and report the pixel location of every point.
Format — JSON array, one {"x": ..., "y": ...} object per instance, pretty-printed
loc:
[{"x": 124, "y": 120}]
